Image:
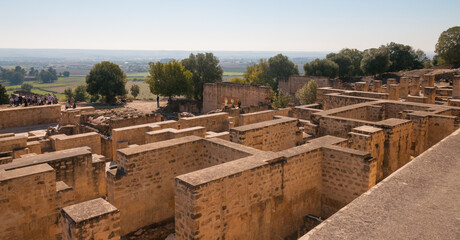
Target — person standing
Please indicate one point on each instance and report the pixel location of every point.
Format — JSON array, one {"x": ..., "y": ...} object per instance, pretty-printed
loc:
[{"x": 158, "y": 101}]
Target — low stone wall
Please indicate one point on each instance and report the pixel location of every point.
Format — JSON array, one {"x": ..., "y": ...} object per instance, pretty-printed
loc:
[
  {"x": 170, "y": 133},
  {"x": 217, "y": 122},
  {"x": 91, "y": 140},
  {"x": 249, "y": 198},
  {"x": 26, "y": 116},
  {"x": 91, "y": 220},
  {"x": 153, "y": 168},
  {"x": 76, "y": 167},
  {"x": 216, "y": 94},
  {"x": 249, "y": 118},
  {"x": 28, "y": 203},
  {"x": 274, "y": 135}
]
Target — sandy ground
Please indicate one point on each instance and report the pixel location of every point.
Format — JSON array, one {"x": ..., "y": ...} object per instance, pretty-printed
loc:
[{"x": 145, "y": 106}]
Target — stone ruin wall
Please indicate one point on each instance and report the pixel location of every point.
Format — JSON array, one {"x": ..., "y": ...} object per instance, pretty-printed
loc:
[
  {"x": 27, "y": 116},
  {"x": 251, "y": 200},
  {"x": 274, "y": 135},
  {"x": 215, "y": 93}
]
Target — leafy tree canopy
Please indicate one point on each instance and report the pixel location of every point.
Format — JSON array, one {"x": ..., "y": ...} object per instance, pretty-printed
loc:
[
  {"x": 135, "y": 89},
  {"x": 80, "y": 93},
  {"x": 344, "y": 62},
  {"x": 3, "y": 95},
  {"x": 375, "y": 61},
  {"x": 281, "y": 67},
  {"x": 106, "y": 79},
  {"x": 169, "y": 79},
  {"x": 280, "y": 99},
  {"x": 27, "y": 87},
  {"x": 448, "y": 46},
  {"x": 307, "y": 93},
  {"x": 205, "y": 69},
  {"x": 260, "y": 74},
  {"x": 14, "y": 76},
  {"x": 48, "y": 76},
  {"x": 321, "y": 67}
]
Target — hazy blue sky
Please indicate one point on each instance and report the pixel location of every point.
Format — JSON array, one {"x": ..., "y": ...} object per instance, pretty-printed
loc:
[{"x": 284, "y": 25}]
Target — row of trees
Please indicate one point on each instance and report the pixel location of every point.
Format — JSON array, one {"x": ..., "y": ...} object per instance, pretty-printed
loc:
[
  {"x": 392, "y": 57},
  {"x": 17, "y": 75}
]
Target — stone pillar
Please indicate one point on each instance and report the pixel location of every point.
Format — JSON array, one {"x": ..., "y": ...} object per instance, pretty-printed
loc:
[
  {"x": 94, "y": 219},
  {"x": 430, "y": 94},
  {"x": 361, "y": 86},
  {"x": 429, "y": 80},
  {"x": 378, "y": 86},
  {"x": 403, "y": 87},
  {"x": 456, "y": 87},
  {"x": 393, "y": 92},
  {"x": 415, "y": 86}
]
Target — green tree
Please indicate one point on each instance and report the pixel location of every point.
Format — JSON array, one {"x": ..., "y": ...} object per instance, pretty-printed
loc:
[
  {"x": 48, "y": 76},
  {"x": 14, "y": 76},
  {"x": 3, "y": 95},
  {"x": 169, "y": 79},
  {"x": 321, "y": 67},
  {"x": 239, "y": 80},
  {"x": 448, "y": 46},
  {"x": 106, "y": 79},
  {"x": 259, "y": 74},
  {"x": 27, "y": 87},
  {"x": 68, "y": 93},
  {"x": 375, "y": 61},
  {"x": 66, "y": 74},
  {"x": 280, "y": 99},
  {"x": 404, "y": 57},
  {"x": 205, "y": 69},
  {"x": 80, "y": 93},
  {"x": 307, "y": 94},
  {"x": 280, "y": 67},
  {"x": 33, "y": 72},
  {"x": 135, "y": 89},
  {"x": 356, "y": 57},
  {"x": 344, "y": 62}
]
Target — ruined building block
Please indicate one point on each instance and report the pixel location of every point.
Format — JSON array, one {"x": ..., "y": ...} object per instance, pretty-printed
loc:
[
  {"x": 28, "y": 203},
  {"x": 96, "y": 219},
  {"x": 362, "y": 86},
  {"x": 370, "y": 139},
  {"x": 430, "y": 94},
  {"x": 378, "y": 85},
  {"x": 393, "y": 92},
  {"x": 428, "y": 80},
  {"x": 456, "y": 87},
  {"x": 415, "y": 86},
  {"x": 403, "y": 87}
]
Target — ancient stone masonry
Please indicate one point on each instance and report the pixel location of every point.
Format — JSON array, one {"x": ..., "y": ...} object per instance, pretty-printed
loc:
[
  {"x": 245, "y": 173},
  {"x": 219, "y": 95},
  {"x": 33, "y": 115}
]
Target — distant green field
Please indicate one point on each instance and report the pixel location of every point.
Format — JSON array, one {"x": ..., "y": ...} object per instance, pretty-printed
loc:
[
  {"x": 73, "y": 81},
  {"x": 233, "y": 73}
]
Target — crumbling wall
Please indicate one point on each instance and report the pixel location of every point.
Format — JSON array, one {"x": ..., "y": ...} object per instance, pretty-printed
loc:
[
  {"x": 249, "y": 118},
  {"x": 217, "y": 122},
  {"x": 91, "y": 140}
]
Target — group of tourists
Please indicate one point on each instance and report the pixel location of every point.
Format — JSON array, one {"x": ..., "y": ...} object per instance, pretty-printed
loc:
[{"x": 32, "y": 100}]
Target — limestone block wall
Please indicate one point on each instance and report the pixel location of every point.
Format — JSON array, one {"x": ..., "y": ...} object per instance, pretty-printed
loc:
[
  {"x": 65, "y": 195},
  {"x": 249, "y": 118},
  {"x": 143, "y": 187},
  {"x": 217, "y": 122},
  {"x": 347, "y": 173},
  {"x": 11, "y": 143},
  {"x": 28, "y": 203},
  {"x": 92, "y": 220},
  {"x": 305, "y": 112},
  {"x": 249, "y": 198},
  {"x": 372, "y": 140},
  {"x": 136, "y": 134},
  {"x": 331, "y": 101},
  {"x": 403, "y": 87},
  {"x": 32, "y": 115},
  {"x": 171, "y": 133},
  {"x": 274, "y": 135},
  {"x": 76, "y": 167},
  {"x": 214, "y": 95},
  {"x": 91, "y": 140}
]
